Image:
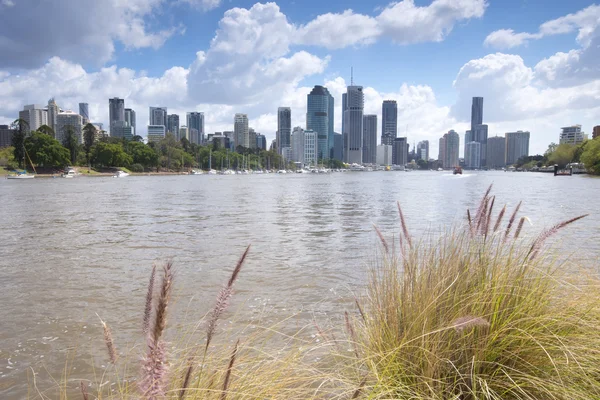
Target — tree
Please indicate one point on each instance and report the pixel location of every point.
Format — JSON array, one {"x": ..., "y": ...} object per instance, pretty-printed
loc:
[
  {"x": 138, "y": 138},
  {"x": 89, "y": 136},
  {"x": 18, "y": 140},
  {"x": 7, "y": 157},
  {"x": 47, "y": 130},
  {"x": 591, "y": 156},
  {"x": 110, "y": 155},
  {"x": 71, "y": 143},
  {"x": 142, "y": 154},
  {"x": 562, "y": 155},
  {"x": 45, "y": 151}
]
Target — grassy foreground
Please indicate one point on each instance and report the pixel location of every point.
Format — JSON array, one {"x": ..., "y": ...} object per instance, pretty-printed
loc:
[{"x": 479, "y": 313}]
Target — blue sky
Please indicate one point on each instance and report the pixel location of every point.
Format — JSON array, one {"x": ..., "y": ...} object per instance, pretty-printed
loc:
[{"x": 534, "y": 61}]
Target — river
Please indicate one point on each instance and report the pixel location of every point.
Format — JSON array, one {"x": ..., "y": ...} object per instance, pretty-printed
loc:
[{"x": 71, "y": 248}]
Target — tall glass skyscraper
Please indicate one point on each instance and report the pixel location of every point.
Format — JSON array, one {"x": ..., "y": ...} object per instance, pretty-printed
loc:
[
  {"x": 389, "y": 122},
  {"x": 284, "y": 128},
  {"x": 130, "y": 117},
  {"x": 319, "y": 118},
  {"x": 84, "y": 112},
  {"x": 369, "y": 139},
  {"x": 353, "y": 121},
  {"x": 195, "y": 120},
  {"x": 116, "y": 110},
  {"x": 476, "y": 112}
]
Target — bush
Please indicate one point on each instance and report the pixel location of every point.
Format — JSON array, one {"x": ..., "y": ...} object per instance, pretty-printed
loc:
[{"x": 136, "y": 168}]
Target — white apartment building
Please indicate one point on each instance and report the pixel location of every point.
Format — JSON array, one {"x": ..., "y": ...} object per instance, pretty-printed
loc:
[{"x": 156, "y": 133}]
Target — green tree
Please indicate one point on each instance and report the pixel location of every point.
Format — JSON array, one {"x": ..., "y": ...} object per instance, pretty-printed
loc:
[
  {"x": 591, "y": 156},
  {"x": 71, "y": 143},
  {"x": 89, "y": 136},
  {"x": 110, "y": 155},
  {"x": 142, "y": 154},
  {"x": 138, "y": 138},
  {"x": 45, "y": 151},
  {"x": 18, "y": 140},
  {"x": 562, "y": 155},
  {"x": 47, "y": 130},
  {"x": 7, "y": 157}
]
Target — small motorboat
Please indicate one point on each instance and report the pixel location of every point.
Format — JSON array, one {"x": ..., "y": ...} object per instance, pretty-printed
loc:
[
  {"x": 120, "y": 174},
  {"x": 457, "y": 170},
  {"x": 21, "y": 175}
]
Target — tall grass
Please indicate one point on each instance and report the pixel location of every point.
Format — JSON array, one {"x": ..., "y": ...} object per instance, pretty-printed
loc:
[{"x": 478, "y": 314}]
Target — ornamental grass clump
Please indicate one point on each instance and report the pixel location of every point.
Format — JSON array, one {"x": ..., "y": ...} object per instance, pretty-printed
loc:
[{"x": 480, "y": 313}]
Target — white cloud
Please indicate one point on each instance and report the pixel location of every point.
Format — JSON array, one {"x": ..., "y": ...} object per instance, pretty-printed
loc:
[
  {"x": 507, "y": 39},
  {"x": 403, "y": 22},
  {"x": 205, "y": 5},
  {"x": 7, "y": 3}
]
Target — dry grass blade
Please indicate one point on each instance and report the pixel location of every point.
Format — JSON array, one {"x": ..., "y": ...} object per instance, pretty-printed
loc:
[
  {"x": 468, "y": 322},
  {"x": 482, "y": 206},
  {"x": 360, "y": 310},
  {"x": 84, "y": 392},
  {"x": 148, "y": 306},
  {"x": 352, "y": 333},
  {"x": 470, "y": 221},
  {"x": 486, "y": 229},
  {"x": 187, "y": 377},
  {"x": 537, "y": 244},
  {"x": 360, "y": 388},
  {"x": 511, "y": 221},
  {"x": 499, "y": 219},
  {"x": 238, "y": 267},
  {"x": 519, "y": 227},
  {"x": 481, "y": 215},
  {"x": 229, "y": 369},
  {"x": 382, "y": 239},
  {"x": 404, "y": 228}
]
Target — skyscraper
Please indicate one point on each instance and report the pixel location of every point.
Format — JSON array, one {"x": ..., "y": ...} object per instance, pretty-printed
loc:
[
  {"x": 476, "y": 112},
  {"x": 311, "y": 147},
  {"x": 369, "y": 154},
  {"x": 480, "y": 135},
  {"x": 34, "y": 115},
  {"x": 261, "y": 142},
  {"x": 468, "y": 139},
  {"x": 344, "y": 135},
  {"x": 338, "y": 147},
  {"x": 195, "y": 120},
  {"x": 298, "y": 145},
  {"x": 84, "y": 112},
  {"x": 252, "y": 138},
  {"x": 68, "y": 120},
  {"x": 241, "y": 132},
  {"x": 353, "y": 117},
  {"x": 158, "y": 116},
  {"x": 496, "y": 152},
  {"x": 572, "y": 135},
  {"x": 423, "y": 150},
  {"x": 284, "y": 128},
  {"x": 400, "y": 151},
  {"x": 156, "y": 133},
  {"x": 173, "y": 125},
  {"x": 130, "y": 117},
  {"x": 473, "y": 155},
  {"x": 450, "y": 150},
  {"x": 517, "y": 146},
  {"x": 319, "y": 118},
  {"x": 116, "y": 110},
  {"x": 53, "y": 111},
  {"x": 389, "y": 121}
]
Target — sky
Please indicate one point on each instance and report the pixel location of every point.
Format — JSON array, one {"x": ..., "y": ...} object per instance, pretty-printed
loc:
[{"x": 535, "y": 62}]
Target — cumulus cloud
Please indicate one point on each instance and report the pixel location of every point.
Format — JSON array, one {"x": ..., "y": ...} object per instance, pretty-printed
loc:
[
  {"x": 205, "y": 5},
  {"x": 76, "y": 30},
  {"x": 402, "y": 22}
]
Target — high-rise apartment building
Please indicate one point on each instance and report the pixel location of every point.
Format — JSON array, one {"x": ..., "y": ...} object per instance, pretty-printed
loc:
[
  {"x": 130, "y": 117},
  {"x": 311, "y": 150},
  {"x": 473, "y": 155},
  {"x": 195, "y": 120},
  {"x": 389, "y": 121},
  {"x": 468, "y": 139},
  {"x": 84, "y": 111},
  {"x": 572, "y": 135},
  {"x": 496, "y": 152},
  {"x": 6, "y": 135},
  {"x": 338, "y": 146},
  {"x": 241, "y": 130},
  {"x": 284, "y": 128},
  {"x": 156, "y": 133},
  {"x": 183, "y": 133},
  {"x": 480, "y": 135},
  {"x": 442, "y": 151},
  {"x": 298, "y": 145},
  {"x": 252, "y": 138},
  {"x": 116, "y": 111},
  {"x": 596, "y": 132},
  {"x": 53, "y": 111},
  {"x": 400, "y": 151},
  {"x": 384, "y": 155},
  {"x": 69, "y": 120},
  {"x": 344, "y": 135},
  {"x": 476, "y": 112},
  {"x": 158, "y": 116},
  {"x": 450, "y": 150},
  {"x": 34, "y": 115},
  {"x": 517, "y": 146},
  {"x": 353, "y": 117},
  {"x": 369, "y": 155},
  {"x": 319, "y": 118},
  {"x": 423, "y": 150},
  {"x": 261, "y": 142},
  {"x": 173, "y": 125}
]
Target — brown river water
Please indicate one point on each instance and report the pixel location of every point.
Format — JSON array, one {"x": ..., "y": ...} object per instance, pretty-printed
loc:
[{"x": 71, "y": 248}]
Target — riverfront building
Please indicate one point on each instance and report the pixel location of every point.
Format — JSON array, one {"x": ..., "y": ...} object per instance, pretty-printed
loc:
[
  {"x": 173, "y": 125},
  {"x": 284, "y": 128},
  {"x": 241, "y": 130},
  {"x": 384, "y": 155},
  {"x": 130, "y": 118},
  {"x": 34, "y": 115},
  {"x": 353, "y": 123},
  {"x": 158, "y": 116},
  {"x": 423, "y": 150},
  {"x": 156, "y": 133},
  {"x": 400, "y": 151},
  {"x": 116, "y": 111},
  {"x": 195, "y": 120},
  {"x": 311, "y": 150},
  {"x": 572, "y": 135},
  {"x": 389, "y": 121},
  {"x": 84, "y": 111},
  {"x": 596, "y": 132},
  {"x": 6, "y": 135},
  {"x": 496, "y": 152},
  {"x": 319, "y": 118},
  {"x": 517, "y": 146},
  {"x": 68, "y": 120},
  {"x": 473, "y": 155},
  {"x": 449, "y": 149},
  {"x": 369, "y": 154}
]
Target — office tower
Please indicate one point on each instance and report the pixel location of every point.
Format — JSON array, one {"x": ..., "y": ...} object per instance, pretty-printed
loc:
[
  {"x": 596, "y": 132},
  {"x": 83, "y": 111},
  {"x": 319, "y": 118},
  {"x": 156, "y": 133},
  {"x": 476, "y": 113},
  {"x": 261, "y": 142},
  {"x": 496, "y": 152},
  {"x": 449, "y": 149},
  {"x": 384, "y": 155},
  {"x": 468, "y": 139},
  {"x": 130, "y": 117},
  {"x": 183, "y": 133},
  {"x": 353, "y": 117},
  {"x": 572, "y": 135},
  {"x": 194, "y": 135},
  {"x": 173, "y": 125},
  {"x": 423, "y": 150},
  {"x": 284, "y": 128},
  {"x": 517, "y": 146},
  {"x": 195, "y": 120},
  {"x": 473, "y": 155},
  {"x": 344, "y": 135},
  {"x": 369, "y": 155},
  {"x": 252, "y": 138},
  {"x": 311, "y": 143},
  {"x": 116, "y": 111},
  {"x": 480, "y": 134},
  {"x": 389, "y": 121},
  {"x": 338, "y": 147},
  {"x": 68, "y": 120},
  {"x": 34, "y": 115},
  {"x": 400, "y": 151},
  {"x": 442, "y": 151},
  {"x": 240, "y": 129},
  {"x": 158, "y": 116},
  {"x": 53, "y": 110},
  {"x": 6, "y": 135},
  {"x": 298, "y": 145}
]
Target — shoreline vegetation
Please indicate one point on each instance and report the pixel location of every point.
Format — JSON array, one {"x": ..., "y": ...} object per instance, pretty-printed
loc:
[{"x": 478, "y": 313}]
